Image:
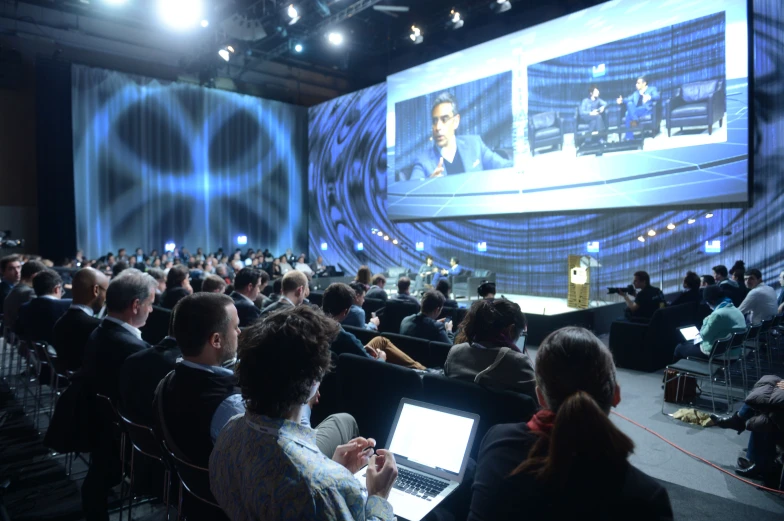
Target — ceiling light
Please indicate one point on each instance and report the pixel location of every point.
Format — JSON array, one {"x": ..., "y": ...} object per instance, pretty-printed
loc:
[
  {"x": 455, "y": 20},
  {"x": 205, "y": 23},
  {"x": 180, "y": 14},
  {"x": 641, "y": 238},
  {"x": 115, "y": 2},
  {"x": 394, "y": 241},
  {"x": 380, "y": 234},
  {"x": 500, "y": 6},
  {"x": 708, "y": 215},
  {"x": 651, "y": 233},
  {"x": 226, "y": 52},
  {"x": 671, "y": 226},
  {"x": 298, "y": 47},
  {"x": 293, "y": 14},
  {"x": 386, "y": 237},
  {"x": 691, "y": 221},
  {"x": 416, "y": 35},
  {"x": 335, "y": 38}
]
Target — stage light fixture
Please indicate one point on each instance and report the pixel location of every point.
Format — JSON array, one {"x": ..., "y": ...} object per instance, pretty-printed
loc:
[
  {"x": 380, "y": 234},
  {"x": 651, "y": 233},
  {"x": 205, "y": 23},
  {"x": 671, "y": 226},
  {"x": 169, "y": 246},
  {"x": 242, "y": 240},
  {"x": 691, "y": 221},
  {"x": 293, "y": 14},
  {"x": 386, "y": 237},
  {"x": 395, "y": 242},
  {"x": 181, "y": 14},
  {"x": 641, "y": 238},
  {"x": 226, "y": 52},
  {"x": 335, "y": 38},
  {"x": 456, "y": 21},
  {"x": 298, "y": 47},
  {"x": 373, "y": 230},
  {"x": 708, "y": 215},
  {"x": 500, "y": 6},
  {"x": 416, "y": 35}
]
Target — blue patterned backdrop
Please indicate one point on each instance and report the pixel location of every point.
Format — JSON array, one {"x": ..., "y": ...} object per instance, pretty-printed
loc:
[
  {"x": 347, "y": 175},
  {"x": 157, "y": 162}
]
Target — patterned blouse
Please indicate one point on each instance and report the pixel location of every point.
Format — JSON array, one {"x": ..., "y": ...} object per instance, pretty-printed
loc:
[{"x": 271, "y": 469}]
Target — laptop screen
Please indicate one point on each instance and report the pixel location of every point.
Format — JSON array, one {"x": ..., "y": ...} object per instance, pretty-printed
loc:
[
  {"x": 690, "y": 332},
  {"x": 431, "y": 438}
]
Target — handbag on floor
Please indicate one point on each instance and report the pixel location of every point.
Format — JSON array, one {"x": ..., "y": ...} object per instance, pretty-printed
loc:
[{"x": 682, "y": 387}]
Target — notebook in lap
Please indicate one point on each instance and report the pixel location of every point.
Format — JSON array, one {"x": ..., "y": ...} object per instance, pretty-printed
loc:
[
  {"x": 691, "y": 333},
  {"x": 431, "y": 446}
]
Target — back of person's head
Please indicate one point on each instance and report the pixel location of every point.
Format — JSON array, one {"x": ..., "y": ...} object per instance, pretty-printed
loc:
[
  {"x": 119, "y": 267},
  {"x": 442, "y": 286},
  {"x": 431, "y": 301},
  {"x": 488, "y": 319},
  {"x": 379, "y": 280},
  {"x": 713, "y": 295},
  {"x": 83, "y": 285},
  {"x": 643, "y": 276},
  {"x": 338, "y": 297},
  {"x": 45, "y": 282},
  {"x": 575, "y": 379},
  {"x": 358, "y": 287},
  {"x": 738, "y": 266},
  {"x": 275, "y": 380},
  {"x": 176, "y": 276},
  {"x": 691, "y": 280},
  {"x": 720, "y": 270},
  {"x": 403, "y": 285},
  {"x": 708, "y": 280},
  {"x": 158, "y": 274},
  {"x": 213, "y": 284},
  {"x": 293, "y": 280},
  {"x": 30, "y": 268},
  {"x": 276, "y": 286},
  {"x": 197, "y": 317},
  {"x": 363, "y": 275},
  {"x": 265, "y": 278},
  {"x": 246, "y": 277},
  {"x": 127, "y": 287},
  {"x": 486, "y": 289}
]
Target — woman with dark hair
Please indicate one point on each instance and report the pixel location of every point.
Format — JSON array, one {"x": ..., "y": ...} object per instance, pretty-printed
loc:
[
  {"x": 569, "y": 461},
  {"x": 276, "y": 272},
  {"x": 486, "y": 350},
  {"x": 442, "y": 286},
  {"x": 738, "y": 274},
  {"x": 691, "y": 290},
  {"x": 363, "y": 276}
]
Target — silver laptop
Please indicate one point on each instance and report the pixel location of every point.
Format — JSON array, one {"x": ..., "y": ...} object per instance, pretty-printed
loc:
[
  {"x": 431, "y": 446},
  {"x": 691, "y": 333}
]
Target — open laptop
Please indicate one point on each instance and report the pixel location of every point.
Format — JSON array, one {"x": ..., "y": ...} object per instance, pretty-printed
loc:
[
  {"x": 691, "y": 333},
  {"x": 431, "y": 446}
]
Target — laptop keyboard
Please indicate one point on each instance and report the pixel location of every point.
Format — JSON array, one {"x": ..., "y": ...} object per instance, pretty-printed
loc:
[{"x": 418, "y": 484}]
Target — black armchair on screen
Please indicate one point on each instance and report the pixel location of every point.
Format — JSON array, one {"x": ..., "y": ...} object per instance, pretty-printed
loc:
[
  {"x": 545, "y": 130},
  {"x": 697, "y": 104}
]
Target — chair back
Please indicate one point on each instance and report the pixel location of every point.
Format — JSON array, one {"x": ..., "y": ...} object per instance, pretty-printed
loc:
[
  {"x": 316, "y": 298},
  {"x": 394, "y": 313},
  {"x": 765, "y": 326},
  {"x": 143, "y": 439},
  {"x": 753, "y": 333},
  {"x": 364, "y": 335},
  {"x": 721, "y": 346},
  {"x": 373, "y": 305},
  {"x": 196, "y": 481},
  {"x": 106, "y": 409},
  {"x": 416, "y": 348},
  {"x": 438, "y": 353},
  {"x": 39, "y": 359}
]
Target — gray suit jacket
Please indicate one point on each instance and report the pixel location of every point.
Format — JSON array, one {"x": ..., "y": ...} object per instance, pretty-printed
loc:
[{"x": 475, "y": 154}]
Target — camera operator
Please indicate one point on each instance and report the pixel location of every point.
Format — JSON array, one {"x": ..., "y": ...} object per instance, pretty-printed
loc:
[{"x": 648, "y": 298}]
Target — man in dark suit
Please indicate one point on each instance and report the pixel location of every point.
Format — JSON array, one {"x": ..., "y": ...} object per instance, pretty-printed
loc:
[
  {"x": 74, "y": 328},
  {"x": 178, "y": 286},
  {"x": 453, "y": 154},
  {"x": 425, "y": 325},
  {"x": 21, "y": 294},
  {"x": 262, "y": 300},
  {"x": 377, "y": 291},
  {"x": 37, "y": 318},
  {"x": 638, "y": 104},
  {"x": 129, "y": 301},
  {"x": 247, "y": 284},
  {"x": 10, "y": 273},
  {"x": 294, "y": 291},
  {"x": 404, "y": 291}
]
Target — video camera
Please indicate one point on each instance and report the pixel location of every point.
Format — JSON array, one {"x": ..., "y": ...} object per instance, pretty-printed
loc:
[
  {"x": 629, "y": 290},
  {"x": 7, "y": 242}
]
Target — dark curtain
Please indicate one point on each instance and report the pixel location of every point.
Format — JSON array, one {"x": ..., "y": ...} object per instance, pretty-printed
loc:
[{"x": 156, "y": 162}]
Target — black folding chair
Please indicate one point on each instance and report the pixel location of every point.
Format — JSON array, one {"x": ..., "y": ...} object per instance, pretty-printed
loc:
[
  {"x": 196, "y": 482},
  {"x": 108, "y": 413}
]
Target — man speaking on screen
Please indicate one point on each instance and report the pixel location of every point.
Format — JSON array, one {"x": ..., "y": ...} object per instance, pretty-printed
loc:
[
  {"x": 453, "y": 154},
  {"x": 639, "y": 104}
]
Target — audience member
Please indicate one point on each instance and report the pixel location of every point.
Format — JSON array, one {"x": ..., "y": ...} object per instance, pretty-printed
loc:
[
  {"x": 356, "y": 315},
  {"x": 404, "y": 291},
  {"x": 277, "y": 284},
  {"x": 648, "y": 298},
  {"x": 486, "y": 352},
  {"x": 129, "y": 301},
  {"x": 37, "y": 318},
  {"x": 213, "y": 284},
  {"x": 443, "y": 287},
  {"x": 363, "y": 276},
  {"x": 246, "y": 288},
  {"x": 21, "y": 293},
  {"x": 160, "y": 278},
  {"x": 738, "y": 274},
  {"x": 262, "y": 300},
  {"x": 337, "y": 301},
  {"x": 73, "y": 330},
  {"x": 570, "y": 458},
  {"x": 265, "y": 464},
  {"x": 178, "y": 286},
  {"x": 376, "y": 289},
  {"x": 691, "y": 290},
  {"x": 728, "y": 286},
  {"x": 193, "y": 403},
  {"x": 303, "y": 266},
  {"x": 724, "y": 319},
  {"x": 760, "y": 302},
  {"x": 119, "y": 267},
  {"x": 11, "y": 272},
  {"x": 425, "y": 275},
  {"x": 780, "y": 298},
  {"x": 294, "y": 290},
  {"x": 285, "y": 267},
  {"x": 319, "y": 267},
  {"x": 486, "y": 290},
  {"x": 454, "y": 270},
  {"x": 707, "y": 280},
  {"x": 425, "y": 324}
]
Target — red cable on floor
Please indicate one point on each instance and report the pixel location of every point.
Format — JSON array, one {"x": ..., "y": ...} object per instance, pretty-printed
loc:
[{"x": 755, "y": 485}]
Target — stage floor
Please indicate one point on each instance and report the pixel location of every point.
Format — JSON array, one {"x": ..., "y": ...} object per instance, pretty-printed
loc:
[{"x": 547, "y": 306}]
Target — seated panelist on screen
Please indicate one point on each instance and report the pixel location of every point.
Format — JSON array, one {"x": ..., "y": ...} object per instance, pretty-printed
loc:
[
  {"x": 639, "y": 103},
  {"x": 591, "y": 109},
  {"x": 453, "y": 154}
]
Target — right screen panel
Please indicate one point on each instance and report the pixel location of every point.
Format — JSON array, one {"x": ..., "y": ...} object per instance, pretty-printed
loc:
[{"x": 632, "y": 103}]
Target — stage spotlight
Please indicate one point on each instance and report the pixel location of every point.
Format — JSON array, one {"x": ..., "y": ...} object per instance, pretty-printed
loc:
[
  {"x": 380, "y": 234},
  {"x": 455, "y": 20},
  {"x": 169, "y": 246},
  {"x": 651, "y": 233},
  {"x": 180, "y": 14},
  {"x": 373, "y": 230},
  {"x": 691, "y": 221},
  {"x": 226, "y": 52},
  {"x": 293, "y": 14},
  {"x": 242, "y": 240},
  {"x": 205, "y": 23},
  {"x": 671, "y": 226},
  {"x": 641, "y": 238},
  {"x": 416, "y": 35},
  {"x": 386, "y": 237},
  {"x": 395, "y": 241},
  {"x": 335, "y": 38},
  {"x": 298, "y": 47},
  {"x": 708, "y": 215},
  {"x": 500, "y": 6}
]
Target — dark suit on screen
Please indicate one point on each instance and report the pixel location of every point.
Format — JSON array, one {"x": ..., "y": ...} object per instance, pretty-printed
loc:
[
  {"x": 476, "y": 157},
  {"x": 71, "y": 334},
  {"x": 246, "y": 310},
  {"x": 37, "y": 318}
]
